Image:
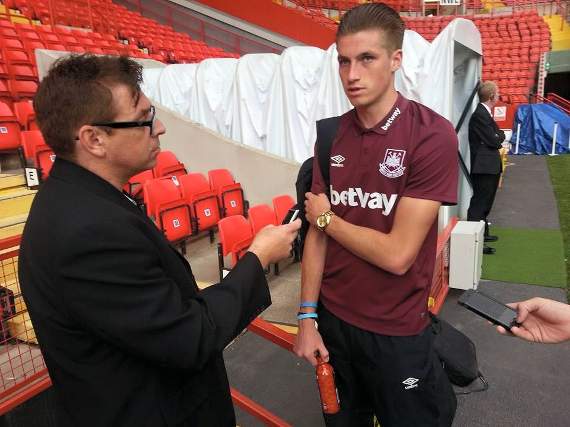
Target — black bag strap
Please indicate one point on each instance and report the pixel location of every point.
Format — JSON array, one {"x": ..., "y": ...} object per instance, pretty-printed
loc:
[
  {"x": 462, "y": 164},
  {"x": 326, "y": 133}
]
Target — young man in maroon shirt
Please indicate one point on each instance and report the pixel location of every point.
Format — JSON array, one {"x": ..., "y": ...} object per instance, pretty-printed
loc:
[{"x": 369, "y": 253}]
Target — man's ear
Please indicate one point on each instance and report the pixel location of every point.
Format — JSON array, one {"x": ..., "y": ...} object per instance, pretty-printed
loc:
[
  {"x": 92, "y": 140},
  {"x": 396, "y": 60}
]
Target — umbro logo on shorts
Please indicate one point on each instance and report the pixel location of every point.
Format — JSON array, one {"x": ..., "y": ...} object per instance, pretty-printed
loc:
[{"x": 410, "y": 383}]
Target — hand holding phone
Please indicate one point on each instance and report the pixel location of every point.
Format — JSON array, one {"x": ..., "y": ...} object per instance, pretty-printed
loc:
[
  {"x": 291, "y": 216},
  {"x": 489, "y": 308}
]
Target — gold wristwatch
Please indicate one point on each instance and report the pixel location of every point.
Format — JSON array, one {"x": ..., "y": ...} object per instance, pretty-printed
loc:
[{"x": 324, "y": 219}]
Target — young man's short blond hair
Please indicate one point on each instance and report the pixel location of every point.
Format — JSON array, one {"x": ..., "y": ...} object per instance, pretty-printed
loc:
[{"x": 487, "y": 90}]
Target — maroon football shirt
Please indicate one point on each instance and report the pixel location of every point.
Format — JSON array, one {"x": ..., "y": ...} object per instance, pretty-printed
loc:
[{"x": 412, "y": 152}]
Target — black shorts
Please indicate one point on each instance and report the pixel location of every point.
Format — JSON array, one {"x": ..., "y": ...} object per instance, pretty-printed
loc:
[{"x": 398, "y": 379}]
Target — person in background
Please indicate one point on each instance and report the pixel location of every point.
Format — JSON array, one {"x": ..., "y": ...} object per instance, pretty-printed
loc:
[{"x": 485, "y": 139}]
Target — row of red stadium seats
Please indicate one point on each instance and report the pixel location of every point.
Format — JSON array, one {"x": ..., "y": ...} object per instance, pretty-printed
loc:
[
  {"x": 145, "y": 38},
  {"x": 236, "y": 232},
  {"x": 185, "y": 204}
]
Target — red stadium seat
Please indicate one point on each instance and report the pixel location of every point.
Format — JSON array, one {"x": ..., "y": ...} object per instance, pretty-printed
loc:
[
  {"x": 6, "y": 93},
  {"x": 27, "y": 36},
  {"x": 56, "y": 46},
  {"x": 50, "y": 37},
  {"x": 203, "y": 203},
  {"x": 96, "y": 50},
  {"x": 6, "y": 32},
  {"x": 166, "y": 207},
  {"x": 12, "y": 44},
  {"x": 136, "y": 182},
  {"x": 230, "y": 193},
  {"x": 167, "y": 164},
  {"x": 25, "y": 114},
  {"x": 9, "y": 129},
  {"x": 22, "y": 72},
  {"x": 68, "y": 40},
  {"x": 76, "y": 49},
  {"x": 23, "y": 89},
  {"x": 260, "y": 216},
  {"x": 281, "y": 204},
  {"x": 235, "y": 237},
  {"x": 4, "y": 71},
  {"x": 37, "y": 153}
]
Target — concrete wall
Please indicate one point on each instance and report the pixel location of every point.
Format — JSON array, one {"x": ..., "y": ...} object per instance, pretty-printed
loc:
[{"x": 262, "y": 176}]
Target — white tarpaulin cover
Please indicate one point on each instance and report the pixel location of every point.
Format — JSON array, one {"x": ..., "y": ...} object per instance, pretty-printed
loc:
[{"x": 271, "y": 102}]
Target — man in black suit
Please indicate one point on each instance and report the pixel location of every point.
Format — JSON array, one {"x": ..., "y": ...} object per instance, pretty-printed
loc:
[
  {"x": 127, "y": 336},
  {"x": 485, "y": 140}
]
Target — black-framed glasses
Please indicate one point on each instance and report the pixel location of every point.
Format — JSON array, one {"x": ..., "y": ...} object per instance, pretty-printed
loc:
[{"x": 133, "y": 124}]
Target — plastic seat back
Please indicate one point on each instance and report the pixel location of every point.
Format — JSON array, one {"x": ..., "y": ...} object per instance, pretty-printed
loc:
[
  {"x": 230, "y": 193},
  {"x": 25, "y": 114},
  {"x": 23, "y": 89},
  {"x": 281, "y": 204},
  {"x": 235, "y": 237},
  {"x": 9, "y": 129},
  {"x": 136, "y": 182},
  {"x": 167, "y": 164},
  {"x": 260, "y": 216},
  {"x": 167, "y": 208},
  {"x": 37, "y": 153},
  {"x": 203, "y": 202}
]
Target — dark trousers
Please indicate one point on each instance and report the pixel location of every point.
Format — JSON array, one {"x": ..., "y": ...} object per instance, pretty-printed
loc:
[
  {"x": 484, "y": 191},
  {"x": 398, "y": 379}
]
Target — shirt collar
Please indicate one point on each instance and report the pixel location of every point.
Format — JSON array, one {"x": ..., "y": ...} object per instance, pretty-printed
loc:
[
  {"x": 386, "y": 123},
  {"x": 487, "y": 108}
]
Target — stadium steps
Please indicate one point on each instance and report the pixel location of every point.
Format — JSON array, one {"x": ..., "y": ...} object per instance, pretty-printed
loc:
[
  {"x": 559, "y": 32},
  {"x": 15, "y": 201}
]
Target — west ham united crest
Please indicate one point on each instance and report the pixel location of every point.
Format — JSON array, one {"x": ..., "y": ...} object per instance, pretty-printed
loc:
[{"x": 392, "y": 166}]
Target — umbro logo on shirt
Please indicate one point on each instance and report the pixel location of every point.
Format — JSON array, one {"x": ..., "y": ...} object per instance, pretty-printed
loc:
[
  {"x": 410, "y": 383},
  {"x": 337, "y": 161}
]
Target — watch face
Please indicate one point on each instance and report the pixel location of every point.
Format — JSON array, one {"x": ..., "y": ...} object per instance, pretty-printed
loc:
[{"x": 321, "y": 221}]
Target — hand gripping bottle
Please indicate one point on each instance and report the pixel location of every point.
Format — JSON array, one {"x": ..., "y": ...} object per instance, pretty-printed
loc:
[{"x": 327, "y": 387}]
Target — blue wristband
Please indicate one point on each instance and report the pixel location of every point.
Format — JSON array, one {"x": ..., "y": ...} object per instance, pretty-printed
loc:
[
  {"x": 306, "y": 304},
  {"x": 301, "y": 316}
]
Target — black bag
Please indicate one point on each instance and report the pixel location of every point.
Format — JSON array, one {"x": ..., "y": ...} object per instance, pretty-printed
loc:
[
  {"x": 326, "y": 132},
  {"x": 457, "y": 354}
]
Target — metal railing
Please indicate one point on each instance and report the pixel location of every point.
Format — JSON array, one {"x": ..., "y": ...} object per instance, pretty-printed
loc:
[
  {"x": 23, "y": 373},
  {"x": 553, "y": 99},
  {"x": 558, "y": 100}
]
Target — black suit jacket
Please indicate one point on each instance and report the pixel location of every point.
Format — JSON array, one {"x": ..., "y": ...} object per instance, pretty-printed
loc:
[
  {"x": 485, "y": 140},
  {"x": 127, "y": 337}
]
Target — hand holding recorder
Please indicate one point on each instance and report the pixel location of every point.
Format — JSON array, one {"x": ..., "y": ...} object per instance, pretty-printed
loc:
[
  {"x": 541, "y": 320},
  {"x": 274, "y": 243},
  {"x": 489, "y": 308}
]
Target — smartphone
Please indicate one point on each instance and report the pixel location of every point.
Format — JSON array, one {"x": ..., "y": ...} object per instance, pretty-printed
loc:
[
  {"x": 291, "y": 216},
  {"x": 489, "y": 308}
]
